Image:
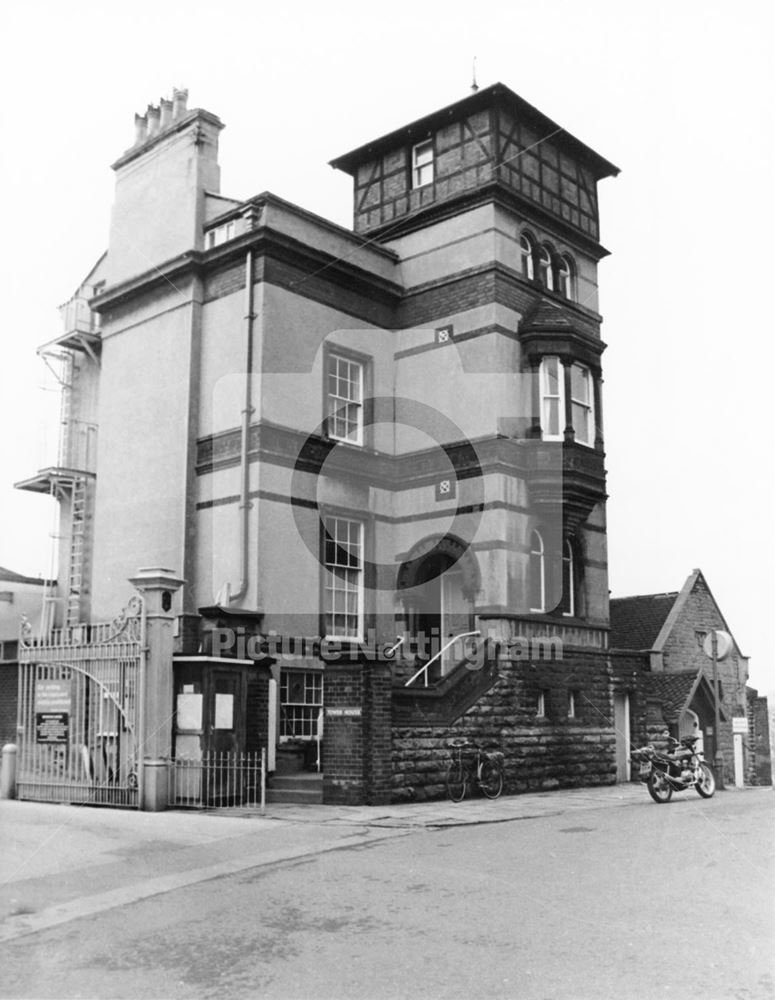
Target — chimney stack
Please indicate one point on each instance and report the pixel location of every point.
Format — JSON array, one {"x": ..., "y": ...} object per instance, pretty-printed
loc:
[
  {"x": 141, "y": 129},
  {"x": 152, "y": 114},
  {"x": 179, "y": 102},
  {"x": 166, "y": 113}
]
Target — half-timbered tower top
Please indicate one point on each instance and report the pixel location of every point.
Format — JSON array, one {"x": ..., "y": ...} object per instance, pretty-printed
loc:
[{"x": 490, "y": 145}]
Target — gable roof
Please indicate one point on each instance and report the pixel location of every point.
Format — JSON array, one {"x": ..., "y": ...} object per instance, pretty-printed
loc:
[
  {"x": 636, "y": 622},
  {"x": 676, "y": 691}
]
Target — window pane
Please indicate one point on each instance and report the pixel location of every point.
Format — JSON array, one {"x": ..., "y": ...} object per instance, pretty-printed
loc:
[
  {"x": 579, "y": 381},
  {"x": 551, "y": 419}
]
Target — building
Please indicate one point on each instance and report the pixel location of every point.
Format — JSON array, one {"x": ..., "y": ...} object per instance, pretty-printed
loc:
[
  {"x": 20, "y": 597},
  {"x": 672, "y": 685},
  {"x": 339, "y": 437}
]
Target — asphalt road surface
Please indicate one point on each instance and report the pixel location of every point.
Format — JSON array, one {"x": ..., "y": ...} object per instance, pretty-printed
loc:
[{"x": 642, "y": 902}]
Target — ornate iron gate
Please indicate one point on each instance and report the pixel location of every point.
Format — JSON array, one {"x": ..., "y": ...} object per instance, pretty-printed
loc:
[{"x": 79, "y": 712}]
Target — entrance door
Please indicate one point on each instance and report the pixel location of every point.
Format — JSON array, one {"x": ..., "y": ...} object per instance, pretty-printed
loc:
[
  {"x": 455, "y": 616},
  {"x": 622, "y": 729},
  {"x": 224, "y": 734},
  {"x": 441, "y": 611}
]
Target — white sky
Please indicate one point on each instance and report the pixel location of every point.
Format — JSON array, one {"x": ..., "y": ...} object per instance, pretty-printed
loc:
[{"x": 678, "y": 95}]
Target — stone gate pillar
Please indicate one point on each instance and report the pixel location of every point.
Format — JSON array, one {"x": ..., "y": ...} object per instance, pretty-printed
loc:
[{"x": 157, "y": 586}]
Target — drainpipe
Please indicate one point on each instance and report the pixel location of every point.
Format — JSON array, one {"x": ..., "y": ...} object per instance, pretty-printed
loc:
[{"x": 247, "y": 412}]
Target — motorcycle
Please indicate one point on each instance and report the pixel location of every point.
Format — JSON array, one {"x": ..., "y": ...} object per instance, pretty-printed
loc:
[{"x": 674, "y": 770}]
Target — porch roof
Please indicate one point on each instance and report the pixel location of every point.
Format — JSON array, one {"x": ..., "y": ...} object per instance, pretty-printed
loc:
[{"x": 677, "y": 691}]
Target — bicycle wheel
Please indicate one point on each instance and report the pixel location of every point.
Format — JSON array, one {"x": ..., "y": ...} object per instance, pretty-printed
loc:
[
  {"x": 456, "y": 781},
  {"x": 491, "y": 778}
]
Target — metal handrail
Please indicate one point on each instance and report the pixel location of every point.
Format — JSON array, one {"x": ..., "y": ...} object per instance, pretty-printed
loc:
[{"x": 424, "y": 667}]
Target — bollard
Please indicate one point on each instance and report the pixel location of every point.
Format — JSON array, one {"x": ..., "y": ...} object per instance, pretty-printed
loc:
[
  {"x": 8, "y": 772},
  {"x": 154, "y": 786}
]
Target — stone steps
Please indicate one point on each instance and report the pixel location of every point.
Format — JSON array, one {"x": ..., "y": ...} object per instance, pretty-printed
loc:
[{"x": 300, "y": 788}]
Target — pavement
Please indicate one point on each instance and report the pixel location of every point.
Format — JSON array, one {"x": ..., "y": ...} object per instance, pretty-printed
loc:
[{"x": 60, "y": 863}]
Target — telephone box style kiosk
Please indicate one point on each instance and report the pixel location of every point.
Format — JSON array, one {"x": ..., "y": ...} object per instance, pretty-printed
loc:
[{"x": 221, "y": 709}]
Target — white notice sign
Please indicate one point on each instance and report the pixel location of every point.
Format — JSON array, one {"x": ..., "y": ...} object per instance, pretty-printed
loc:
[{"x": 224, "y": 711}]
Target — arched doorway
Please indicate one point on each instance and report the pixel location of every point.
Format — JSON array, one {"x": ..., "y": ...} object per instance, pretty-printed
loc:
[{"x": 436, "y": 585}]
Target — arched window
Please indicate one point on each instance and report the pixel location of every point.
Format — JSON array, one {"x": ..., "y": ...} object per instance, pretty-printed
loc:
[
  {"x": 565, "y": 278},
  {"x": 568, "y": 602},
  {"x": 527, "y": 253},
  {"x": 537, "y": 573},
  {"x": 545, "y": 273}
]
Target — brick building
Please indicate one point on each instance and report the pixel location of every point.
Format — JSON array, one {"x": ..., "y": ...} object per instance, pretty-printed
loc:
[
  {"x": 657, "y": 650},
  {"x": 338, "y": 437}
]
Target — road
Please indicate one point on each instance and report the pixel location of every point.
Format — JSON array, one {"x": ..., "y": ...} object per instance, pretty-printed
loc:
[{"x": 641, "y": 902}]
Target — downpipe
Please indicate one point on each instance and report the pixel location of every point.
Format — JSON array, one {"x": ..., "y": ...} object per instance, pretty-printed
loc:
[{"x": 247, "y": 413}]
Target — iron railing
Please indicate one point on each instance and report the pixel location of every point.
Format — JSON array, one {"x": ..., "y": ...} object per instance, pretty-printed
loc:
[
  {"x": 218, "y": 780},
  {"x": 424, "y": 668}
]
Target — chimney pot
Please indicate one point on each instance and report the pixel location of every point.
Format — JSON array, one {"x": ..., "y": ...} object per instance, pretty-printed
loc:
[
  {"x": 152, "y": 115},
  {"x": 179, "y": 102},
  {"x": 141, "y": 129},
  {"x": 166, "y": 113}
]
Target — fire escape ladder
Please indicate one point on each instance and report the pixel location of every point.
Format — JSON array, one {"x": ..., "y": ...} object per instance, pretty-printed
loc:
[{"x": 77, "y": 541}]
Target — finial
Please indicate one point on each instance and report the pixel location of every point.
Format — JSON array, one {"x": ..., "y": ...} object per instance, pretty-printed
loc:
[{"x": 474, "y": 84}]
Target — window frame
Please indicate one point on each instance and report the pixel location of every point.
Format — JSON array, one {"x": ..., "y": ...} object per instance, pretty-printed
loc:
[
  {"x": 546, "y": 267},
  {"x": 527, "y": 256},
  {"x": 544, "y": 396},
  {"x": 568, "y": 600},
  {"x": 539, "y": 552},
  {"x": 335, "y": 354},
  {"x": 313, "y": 719},
  {"x": 566, "y": 284},
  {"x": 418, "y": 168},
  {"x": 328, "y": 590},
  {"x": 588, "y": 405},
  {"x": 543, "y": 701}
]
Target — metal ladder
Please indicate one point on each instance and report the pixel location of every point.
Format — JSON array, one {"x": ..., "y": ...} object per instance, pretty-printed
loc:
[{"x": 77, "y": 540}]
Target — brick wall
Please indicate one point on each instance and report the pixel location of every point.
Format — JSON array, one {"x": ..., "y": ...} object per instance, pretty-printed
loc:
[
  {"x": 257, "y": 714},
  {"x": 357, "y": 734},
  {"x": 553, "y": 751},
  {"x": 9, "y": 693}
]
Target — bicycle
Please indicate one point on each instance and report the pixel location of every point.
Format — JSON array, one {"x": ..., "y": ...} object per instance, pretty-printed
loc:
[{"x": 479, "y": 766}]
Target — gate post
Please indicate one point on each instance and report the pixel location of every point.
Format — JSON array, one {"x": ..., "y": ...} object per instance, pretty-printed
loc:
[
  {"x": 8, "y": 772},
  {"x": 157, "y": 586}
]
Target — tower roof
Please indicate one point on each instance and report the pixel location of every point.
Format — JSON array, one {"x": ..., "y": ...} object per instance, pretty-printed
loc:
[{"x": 487, "y": 97}]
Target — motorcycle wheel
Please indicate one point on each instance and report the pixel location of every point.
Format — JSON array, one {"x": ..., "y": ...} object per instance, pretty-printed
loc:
[
  {"x": 456, "y": 781},
  {"x": 706, "y": 786},
  {"x": 659, "y": 787}
]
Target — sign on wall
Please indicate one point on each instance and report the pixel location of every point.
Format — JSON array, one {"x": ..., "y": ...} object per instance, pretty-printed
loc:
[{"x": 52, "y": 711}]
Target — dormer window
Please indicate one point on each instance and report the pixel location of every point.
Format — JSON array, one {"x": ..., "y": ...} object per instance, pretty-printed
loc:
[
  {"x": 545, "y": 272},
  {"x": 527, "y": 253},
  {"x": 422, "y": 163},
  {"x": 221, "y": 234}
]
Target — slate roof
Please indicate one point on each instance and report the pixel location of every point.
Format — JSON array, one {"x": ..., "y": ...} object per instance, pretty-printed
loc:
[
  {"x": 637, "y": 621},
  {"x": 676, "y": 691},
  {"x": 546, "y": 315},
  {"x": 673, "y": 690}
]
